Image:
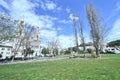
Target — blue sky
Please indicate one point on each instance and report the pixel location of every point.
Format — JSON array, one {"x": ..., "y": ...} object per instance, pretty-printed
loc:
[{"x": 53, "y": 17}]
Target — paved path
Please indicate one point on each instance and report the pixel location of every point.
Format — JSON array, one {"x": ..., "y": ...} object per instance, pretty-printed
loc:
[
  {"x": 47, "y": 59},
  {"x": 34, "y": 60}
]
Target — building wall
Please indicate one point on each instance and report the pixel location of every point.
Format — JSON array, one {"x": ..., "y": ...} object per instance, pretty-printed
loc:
[
  {"x": 6, "y": 51},
  {"x": 36, "y": 47},
  {"x": 34, "y": 43},
  {"x": 87, "y": 47}
]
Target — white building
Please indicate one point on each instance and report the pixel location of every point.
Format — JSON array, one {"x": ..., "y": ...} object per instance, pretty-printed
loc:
[
  {"x": 5, "y": 51},
  {"x": 33, "y": 41},
  {"x": 17, "y": 45},
  {"x": 87, "y": 46}
]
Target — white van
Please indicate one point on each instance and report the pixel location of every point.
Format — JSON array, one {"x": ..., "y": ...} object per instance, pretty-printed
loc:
[{"x": 115, "y": 50}]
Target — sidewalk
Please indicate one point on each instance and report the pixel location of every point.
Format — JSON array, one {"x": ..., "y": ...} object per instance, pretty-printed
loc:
[{"x": 34, "y": 60}]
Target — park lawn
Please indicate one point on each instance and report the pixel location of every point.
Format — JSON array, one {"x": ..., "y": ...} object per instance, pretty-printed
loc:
[{"x": 106, "y": 68}]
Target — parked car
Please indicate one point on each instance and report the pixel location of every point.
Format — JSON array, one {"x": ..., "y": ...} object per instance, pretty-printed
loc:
[
  {"x": 49, "y": 55},
  {"x": 41, "y": 55},
  {"x": 113, "y": 50}
]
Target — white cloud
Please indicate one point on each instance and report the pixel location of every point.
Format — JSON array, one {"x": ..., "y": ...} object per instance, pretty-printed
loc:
[
  {"x": 4, "y": 4},
  {"x": 59, "y": 8},
  {"x": 48, "y": 34},
  {"x": 48, "y": 21},
  {"x": 72, "y": 16},
  {"x": 117, "y": 6},
  {"x": 66, "y": 41},
  {"x": 25, "y": 9},
  {"x": 65, "y": 21},
  {"x": 59, "y": 29},
  {"x": 42, "y": 5},
  {"x": 115, "y": 32},
  {"x": 49, "y": 5},
  {"x": 114, "y": 12},
  {"x": 69, "y": 41},
  {"x": 68, "y": 10}
]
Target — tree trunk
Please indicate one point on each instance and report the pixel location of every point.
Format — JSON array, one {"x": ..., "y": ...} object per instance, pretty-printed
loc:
[
  {"x": 13, "y": 58},
  {"x": 97, "y": 52}
]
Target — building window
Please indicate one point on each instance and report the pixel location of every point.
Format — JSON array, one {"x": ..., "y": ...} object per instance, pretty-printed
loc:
[
  {"x": 37, "y": 36},
  {"x": 8, "y": 49},
  {"x": 3, "y": 48},
  {"x": 8, "y": 53},
  {"x": 1, "y": 52}
]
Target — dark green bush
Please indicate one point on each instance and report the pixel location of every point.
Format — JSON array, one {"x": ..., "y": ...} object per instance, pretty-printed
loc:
[{"x": 89, "y": 50}]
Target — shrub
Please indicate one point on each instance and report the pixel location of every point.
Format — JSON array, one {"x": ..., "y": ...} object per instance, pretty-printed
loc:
[
  {"x": 80, "y": 51},
  {"x": 89, "y": 50},
  {"x": 62, "y": 51},
  {"x": 67, "y": 52},
  {"x": 0, "y": 55},
  {"x": 45, "y": 51},
  {"x": 93, "y": 55}
]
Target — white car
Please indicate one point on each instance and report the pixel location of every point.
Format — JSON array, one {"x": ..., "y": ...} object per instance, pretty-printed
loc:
[{"x": 41, "y": 55}]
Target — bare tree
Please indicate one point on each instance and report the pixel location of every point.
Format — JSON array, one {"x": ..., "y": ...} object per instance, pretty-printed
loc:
[
  {"x": 53, "y": 46},
  {"x": 74, "y": 18},
  {"x": 22, "y": 39},
  {"x": 82, "y": 35},
  {"x": 97, "y": 29},
  {"x": 78, "y": 28},
  {"x": 29, "y": 31},
  {"x": 103, "y": 33},
  {"x": 18, "y": 39},
  {"x": 7, "y": 27}
]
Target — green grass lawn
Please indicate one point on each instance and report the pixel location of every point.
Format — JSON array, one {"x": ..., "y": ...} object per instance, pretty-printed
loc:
[{"x": 106, "y": 68}]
